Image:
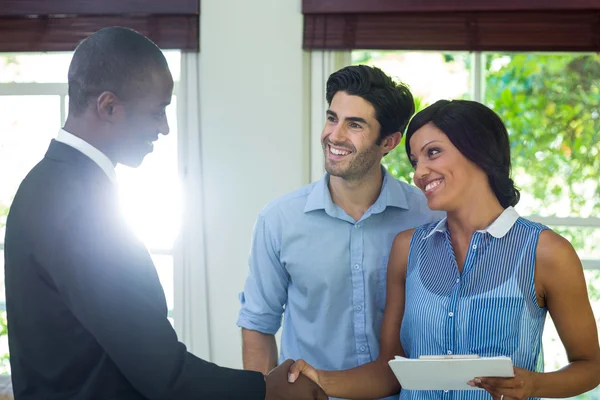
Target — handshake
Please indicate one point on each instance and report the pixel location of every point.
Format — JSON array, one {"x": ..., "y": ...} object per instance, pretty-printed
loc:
[{"x": 279, "y": 387}]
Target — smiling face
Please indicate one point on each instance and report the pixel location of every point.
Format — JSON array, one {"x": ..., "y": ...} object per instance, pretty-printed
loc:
[
  {"x": 350, "y": 138},
  {"x": 442, "y": 172},
  {"x": 138, "y": 122}
]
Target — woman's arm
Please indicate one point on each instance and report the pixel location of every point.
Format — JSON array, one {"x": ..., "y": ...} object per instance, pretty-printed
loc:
[
  {"x": 374, "y": 379},
  {"x": 564, "y": 289},
  {"x": 560, "y": 284}
]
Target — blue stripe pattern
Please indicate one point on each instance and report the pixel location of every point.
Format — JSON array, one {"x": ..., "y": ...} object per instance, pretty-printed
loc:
[{"x": 489, "y": 309}]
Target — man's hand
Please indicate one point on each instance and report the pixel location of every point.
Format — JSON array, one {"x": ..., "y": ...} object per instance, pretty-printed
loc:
[{"x": 279, "y": 388}]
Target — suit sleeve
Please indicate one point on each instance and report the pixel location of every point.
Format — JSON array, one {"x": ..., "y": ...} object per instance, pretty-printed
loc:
[{"x": 106, "y": 276}]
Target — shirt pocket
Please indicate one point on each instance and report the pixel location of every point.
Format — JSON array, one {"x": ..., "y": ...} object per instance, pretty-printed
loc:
[
  {"x": 495, "y": 325},
  {"x": 381, "y": 284}
]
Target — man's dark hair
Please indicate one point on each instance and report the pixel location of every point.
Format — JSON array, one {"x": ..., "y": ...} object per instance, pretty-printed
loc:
[
  {"x": 479, "y": 134},
  {"x": 114, "y": 59},
  {"x": 393, "y": 102}
]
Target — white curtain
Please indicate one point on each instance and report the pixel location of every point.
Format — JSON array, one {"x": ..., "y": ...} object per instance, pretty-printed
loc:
[{"x": 190, "y": 272}]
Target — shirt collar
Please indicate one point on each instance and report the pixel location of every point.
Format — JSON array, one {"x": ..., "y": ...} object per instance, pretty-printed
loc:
[
  {"x": 440, "y": 227},
  {"x": 90, "y": 151},
  {"x": 498, "y": 229},
  {"x": 392, "y": 195},
  {"x": 319, "y": 196}
]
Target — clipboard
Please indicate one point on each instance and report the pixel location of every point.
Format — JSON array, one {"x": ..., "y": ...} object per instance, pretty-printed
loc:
[{"x": 448, "y": 372}]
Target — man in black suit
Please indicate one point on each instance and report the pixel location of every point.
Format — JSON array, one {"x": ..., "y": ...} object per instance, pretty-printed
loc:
[{"x": 87, "y": 315}]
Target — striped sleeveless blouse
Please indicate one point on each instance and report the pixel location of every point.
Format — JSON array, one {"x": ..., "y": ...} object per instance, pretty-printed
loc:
[{"x": 489, "y": 309}]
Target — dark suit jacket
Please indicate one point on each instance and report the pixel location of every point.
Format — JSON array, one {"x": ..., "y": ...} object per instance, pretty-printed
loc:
[{"x": 86, "y": 311}]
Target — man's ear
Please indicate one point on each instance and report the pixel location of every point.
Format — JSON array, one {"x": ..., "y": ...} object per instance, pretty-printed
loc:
[
  {"x": 108, "y": 106},
  {"x": 390, "y": 142}
]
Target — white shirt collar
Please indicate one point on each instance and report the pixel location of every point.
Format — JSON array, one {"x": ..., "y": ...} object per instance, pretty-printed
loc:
[
  {"x": 90, "y": 151},
  {"x": 498, "y": 229}
]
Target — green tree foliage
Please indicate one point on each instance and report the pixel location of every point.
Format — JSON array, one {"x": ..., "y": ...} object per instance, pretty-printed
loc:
[
  {"x": 4, "y": 358},
  {"x": 3, "y": 214},
  {"x": 551, "y": 107}
]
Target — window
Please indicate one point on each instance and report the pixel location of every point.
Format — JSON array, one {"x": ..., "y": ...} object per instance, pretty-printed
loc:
[
  {"x": 34, "y": 104},
  {"x": 550, "y": 104}
]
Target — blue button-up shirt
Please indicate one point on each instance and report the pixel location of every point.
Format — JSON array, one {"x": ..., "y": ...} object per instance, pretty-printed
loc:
[{"x": 326, "y": 272}]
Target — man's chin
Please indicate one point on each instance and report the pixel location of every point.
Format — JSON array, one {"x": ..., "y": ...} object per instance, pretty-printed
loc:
[
  {"x": 339, "y": 172},
  {"x": 330, "y": 170},
  {"x": 133, "y": 162}
]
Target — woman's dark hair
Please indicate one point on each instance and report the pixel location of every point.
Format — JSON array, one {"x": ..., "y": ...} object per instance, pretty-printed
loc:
[
  {"x": 393, "y": 102},
  {"x": 479, "y": 134}
]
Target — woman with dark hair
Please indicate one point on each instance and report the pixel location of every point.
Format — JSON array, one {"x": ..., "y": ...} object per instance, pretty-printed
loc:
[{"x": 480, "y": 281}]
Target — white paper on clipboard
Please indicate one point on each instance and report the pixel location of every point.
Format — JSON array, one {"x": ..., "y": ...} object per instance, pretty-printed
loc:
[{"x": 448, "y": 373}]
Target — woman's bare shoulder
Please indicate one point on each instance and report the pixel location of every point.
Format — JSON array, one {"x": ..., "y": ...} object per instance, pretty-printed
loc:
[{"x": 400, "y": 250}]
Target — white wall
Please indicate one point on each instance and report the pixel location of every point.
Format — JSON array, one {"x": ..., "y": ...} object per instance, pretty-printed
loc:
[{"x": 254, "y": 134}]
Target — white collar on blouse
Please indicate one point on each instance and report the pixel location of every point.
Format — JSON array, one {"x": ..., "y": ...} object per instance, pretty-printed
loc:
[{"x": 497, "y": 229}]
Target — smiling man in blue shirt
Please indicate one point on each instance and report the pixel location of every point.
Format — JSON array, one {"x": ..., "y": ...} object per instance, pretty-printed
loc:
[{"x": 319, "y": 254}]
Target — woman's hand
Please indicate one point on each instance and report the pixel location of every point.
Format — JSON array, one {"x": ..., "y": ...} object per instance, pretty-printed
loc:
[
  {"x": 520, "y": 387},
  {"x": 302, "y": 367}
]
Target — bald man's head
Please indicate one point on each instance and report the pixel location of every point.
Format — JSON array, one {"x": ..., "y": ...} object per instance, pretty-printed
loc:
[
  {"x": 115, "y": 59},
  {"x": 119, "y": 88}
]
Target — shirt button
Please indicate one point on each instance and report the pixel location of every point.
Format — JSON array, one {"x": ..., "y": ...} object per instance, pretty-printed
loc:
[
  {"x": 474, "y": 246},
  {"x": 445, "y": 391},
  {"x": 356, "y": 267},
  {"x": 359, "y": 307},
  {"x": 457, "y": 280},
  {"x": 451, "y": 314},
  {"x": 449, "y": 352},
  {"x": 362, "y": 348}
]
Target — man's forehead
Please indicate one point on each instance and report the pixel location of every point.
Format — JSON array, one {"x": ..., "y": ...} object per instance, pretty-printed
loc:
[
  {"x": 160, "y": 76},
  {"x": 159, "y": 83},
  {"x": 345, "y": 105}
]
